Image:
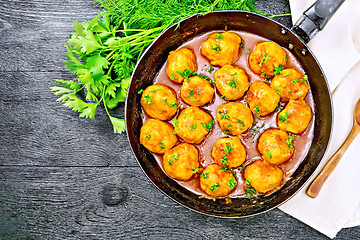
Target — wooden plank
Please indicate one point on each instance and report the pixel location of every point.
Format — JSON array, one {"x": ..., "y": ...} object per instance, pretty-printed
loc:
[
  {"x": 119, "y": 203},
  {"x": 37, "y": 130}
]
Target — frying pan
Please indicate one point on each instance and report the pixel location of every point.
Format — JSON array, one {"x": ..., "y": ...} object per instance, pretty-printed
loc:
[{"x": 295, "y": 40}]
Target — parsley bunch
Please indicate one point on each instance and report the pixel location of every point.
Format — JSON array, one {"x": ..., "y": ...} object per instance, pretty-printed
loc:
[{"x": 103, "y": 52}]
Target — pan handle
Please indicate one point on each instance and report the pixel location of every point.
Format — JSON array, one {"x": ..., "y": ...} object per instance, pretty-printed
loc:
[{"x": 315, "y": 18}]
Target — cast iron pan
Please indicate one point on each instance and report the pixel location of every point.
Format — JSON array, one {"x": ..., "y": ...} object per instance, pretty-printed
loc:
[{"x": 156, "y": 55}]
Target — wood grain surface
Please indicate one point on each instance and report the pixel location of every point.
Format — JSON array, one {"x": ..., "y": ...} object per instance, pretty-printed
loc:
[{"x": 62, "y": 177}]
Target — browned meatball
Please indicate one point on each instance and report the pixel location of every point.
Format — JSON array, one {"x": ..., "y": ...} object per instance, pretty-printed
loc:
[
  {"x": 180, "y": 64},
  {"x": 276, "y": 146},
  {"x": 265, "y": 57},
  {"x": 193, "y": 124},
  {"x": 181, "y": 161},
  {"x": 262, "y": 99},
  {"x": 221, "y": 48},
  {"x": 197, "y": 91},
  {"x": 290, "y": 84},
  {"x": 159, "y": 102},
  {"x": 262, "y": 176},
  {"x": 229, "y": 152},
  {"x": 234, "y": 118},
  {"x": 157, "y": 136},
  {"x": 295, "y": 117},
  {"x": 231, "y": 82},
  {"x": 217, "y": 182}
]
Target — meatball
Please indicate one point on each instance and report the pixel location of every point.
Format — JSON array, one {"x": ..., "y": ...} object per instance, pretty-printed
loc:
[
  {"x": 290, "y": 85},
  {"x": 295, "y": 117},
  {"x": 265, "y": 57},
  {"x": 157, "y": 136},
  {"x": 262, "y": 176},
  {"x": 229, "y": 152},
  {"x": 262, "y": 99},
  {"x": 231, "y": 82},
  {"x": 234, "y": 118},
  {"x": 181, "y": 161},
  {"x": 276, "y": 146},
  {"x": 159, "y": 102},
  {"x": 193, "y": 124},
  {"x": 221, "y": 48},
  {"x": 217, "y": 182},
  {"x": 181, "y": 64},
  {"x": 197, "y": 91}
]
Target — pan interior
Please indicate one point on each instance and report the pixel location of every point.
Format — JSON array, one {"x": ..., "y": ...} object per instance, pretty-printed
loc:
[{"x": 151, "y": 63}]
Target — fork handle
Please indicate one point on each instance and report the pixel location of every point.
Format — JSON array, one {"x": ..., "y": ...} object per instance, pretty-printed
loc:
[{"x": 316, "y": 185}]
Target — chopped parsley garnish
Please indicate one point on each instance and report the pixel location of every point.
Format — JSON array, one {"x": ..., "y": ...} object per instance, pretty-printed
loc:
[
  {"x": 232, "y": 83},
  {"x": 216, "y": 47},
  {"x": 225, "y": 168},
  {"x": 289, "y": 141},
  {"x": 186, "y": 74},
  {"x": 242, "y": 167},
  {"x": 269, "y": 154},
  {"x": 212, "y": 82},
  {"x": 165, "y": 100},
  {"x": 224, "y": 160},
  {"x": 224, "y": 97},
  {"x": 211, "y": 69},
  {"x": 229, "y": 126},
  {"x": 172, "y": 76},
  {"x": 226, "y": 131},
  {"x": 266, "y": 78},
  {"x": 172, "y": 158},
  {"x": 242, "y": 44},
  {"x": 191, "y": 93},
  {"x": 248, "y": 189},
  {"x": 264, "y": 58},
  {"x": 241, "y": 122},
  {"x": 185, "y": 115},
  {"x": 192, "y": 127},
  {"x": 208, "y": 125},
  {"x": 232, "y": 183},
  {"x": 174, "y": 104},
  {"x": 234, "y": 73},
  {"x": 304, "y": 79},
  {"x": 277, "y": 70},
  {"x": 175, "y": 122},
  {"x": 147, "y": 99},
  {"x": 286, "y": 59},
  {"x": 290, "y": 91},
  {"x": 214, "y": 187},
  {"x": 198, "y": 92},
  {"x": 256, "y": 110},
  {"x": 283, "y": 117},
  {"x": 218, "y": 36},
  {"x": 277, "y": 91},
  {"x": 285, "y": 74},
  {"x": 140, "y": 91},
  {"x": 148, "y": 136},
  {"x": 228, "y": 149},
  {"x": 204, "y": 174},
  {"x": 203, "y": 76},
  {"x": 194, "y": 99},
  {"x": 162, "y": 145},
  {"x": 195, "y": 170},
  {"x": 224, "y": 115},
  {"x": 264, "y": 142}
]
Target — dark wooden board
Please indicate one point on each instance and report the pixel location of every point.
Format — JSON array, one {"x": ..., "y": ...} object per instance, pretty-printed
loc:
[{"x": 62, "y": 177}]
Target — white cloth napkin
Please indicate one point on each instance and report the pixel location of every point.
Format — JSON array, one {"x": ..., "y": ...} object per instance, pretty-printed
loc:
[{"x": 337, "y": 48}]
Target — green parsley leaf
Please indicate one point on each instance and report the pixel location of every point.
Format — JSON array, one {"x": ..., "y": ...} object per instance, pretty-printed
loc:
[
  {"x": 226, "y": 131},
  {"x": 165, "y": 100},
  {"x": 277, "y": 70},
  {"x": 284, "y": 116},
  {"x": 256, "y": 110},
  {"x": 172, "y": 158},
  {"x": 232, "y": 183},
  {"x": 211, "y": 69},
  {"x": 289, "y": 141},
  {"x": 174, "y": 104},
  {"x": 172, "y": 76},
  {"x": 204, "y": 174},
  {"x": 286, "y": 59},
  {"x": 241, "y": 122},
  {"x": 195, "y": 170},
  {"x": 161, "y": 145},
  {"x": 224, "y": 97},
  {"x": 175, "y": 122},
  {"x": 214, "y": 187},
  {"x": 232, "y": 83},
  {"x": 148, "y": 136},
  {"x": 140, "y": 91},
  {"x": 218, "y": 36},
  {"x": 224, "y": 160},
  {"x": 191, "y": 93},
  {"x": 216, "y": 48},
  {"x": 264, "y": 58},
  {"x": 228, "y": 149},
  {"x": 269, "y": 154},
  {"x": 208, "y": 125},
  {"x": 192, "y": 127}
]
